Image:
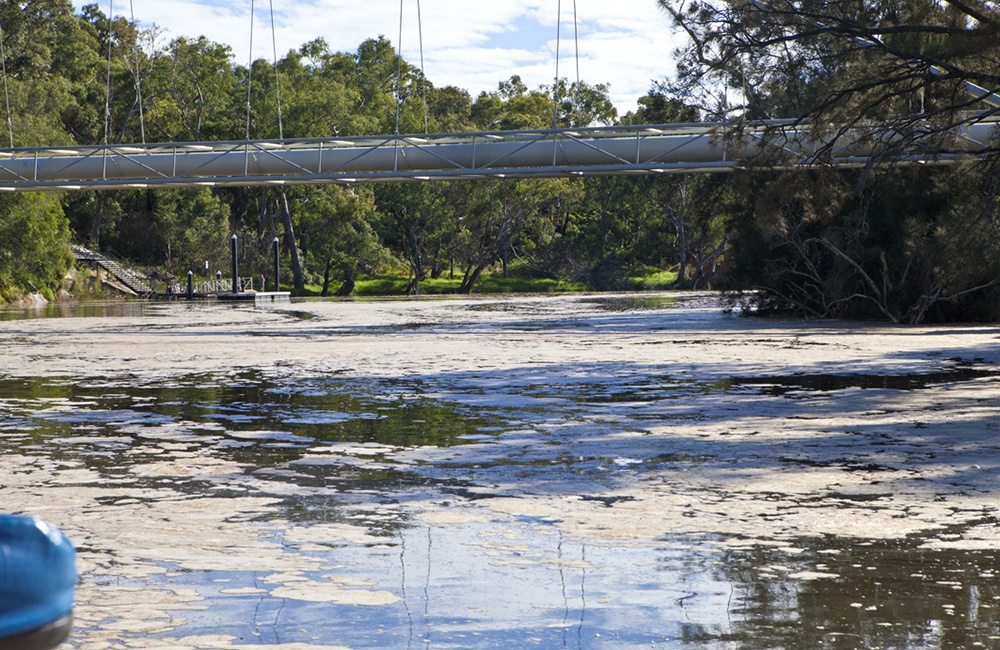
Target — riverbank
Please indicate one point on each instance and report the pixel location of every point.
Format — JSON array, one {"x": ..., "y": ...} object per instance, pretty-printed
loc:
[{"x": 625, "y": 470}]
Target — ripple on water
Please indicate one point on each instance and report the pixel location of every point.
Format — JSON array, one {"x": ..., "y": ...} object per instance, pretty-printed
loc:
[{"x": 573, "y": 505}]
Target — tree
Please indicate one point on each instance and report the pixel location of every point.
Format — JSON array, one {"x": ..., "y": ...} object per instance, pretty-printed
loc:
[
  {"x": 513, "y": 107},
  {"x": 315, "y": 103},
  {"x": 413, "y": 222},
  {"x": 842, "y": 243},
  {"x": 194, "y": 226},
  {"x": 843, "y": 61},
  {"x": 581, "y": 105},
  {"x": 336, "y": 226},
  {"x": 121, "y": 66},
  {"x": 449, "y": 110},
  {"x": 34, "y": 245},
  {"x": 51, "y": 60},
  {"x": 192, "y": 93},
  {"x": 496, "y": 214}
]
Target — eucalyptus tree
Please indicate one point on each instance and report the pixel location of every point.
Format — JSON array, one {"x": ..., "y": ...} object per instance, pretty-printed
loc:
[
  {"x": 503, "y": 218},
  {"x": 698, "y": 208},
  {"x": 513, "y": 107},
  {"x": 193, "y": 226},
  {"x": 578, "y": 104},
  {"x": 34, "y": 245},
  {"x": 449, "y": 109},
  {"x": 52, "y": 61},
  {"x": 314, "y": 104},
  {"x": 841, "y": 243},
  {"x": 192, "y": 92},
  {"x": 123, "y": 62},
  {"x": 628, "y": 224},
  {"x": 337, "y": 235},
  {"x": 415, "y": 222}
]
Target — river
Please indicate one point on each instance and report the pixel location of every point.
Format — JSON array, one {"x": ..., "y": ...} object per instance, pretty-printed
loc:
[{"x": 588, "y": 471}]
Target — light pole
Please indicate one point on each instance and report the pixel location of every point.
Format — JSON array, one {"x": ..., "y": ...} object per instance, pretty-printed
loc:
[
  {"x": 277, "y": 276},
  {"x": 236, "y": 266}
]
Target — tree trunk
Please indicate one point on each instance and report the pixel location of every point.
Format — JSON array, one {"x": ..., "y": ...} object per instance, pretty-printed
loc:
[
  {"x": 471, "y": 278},
  {"x": 678, "y": 215},
  {"x": 95, "y": 227},
  {"x": 347, "y": 288},
  {"x": 326, "y": 278},
  {"x": 290, "y": 241}
]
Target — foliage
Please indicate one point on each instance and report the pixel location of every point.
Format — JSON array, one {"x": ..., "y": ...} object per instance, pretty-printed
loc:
[
  {"x": 890, "y": 241},
  {"x": 885, "y": 242},
  {"x": 336, "y": 222},
  {"x": 90, "y": 78},
  {"x": 394, "y": 285},
  {"x": 190, "y": 92},
  {"x": 194, "y": 227},
  {"x": 34, "y": 245}
]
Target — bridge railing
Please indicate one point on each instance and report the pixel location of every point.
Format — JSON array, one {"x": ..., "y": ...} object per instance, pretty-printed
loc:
[
  {"x": 210, "y": 286},
  {"x": 595, "y": 151}
]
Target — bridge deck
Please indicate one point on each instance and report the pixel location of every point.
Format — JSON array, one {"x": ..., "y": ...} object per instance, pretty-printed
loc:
[{"x": 645, "y": 149}]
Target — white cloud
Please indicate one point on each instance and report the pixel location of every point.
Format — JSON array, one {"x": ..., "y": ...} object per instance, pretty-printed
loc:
[{"x": 472, "y": 44}]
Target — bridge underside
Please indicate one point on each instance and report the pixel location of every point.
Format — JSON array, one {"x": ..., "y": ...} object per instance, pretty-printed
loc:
[{"x": 647, "y": 149}]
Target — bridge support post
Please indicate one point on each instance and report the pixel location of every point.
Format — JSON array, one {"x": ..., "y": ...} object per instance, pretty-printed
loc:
[
  {"x": 277, "y": 275},
  {"x": 235, "y": 265}
]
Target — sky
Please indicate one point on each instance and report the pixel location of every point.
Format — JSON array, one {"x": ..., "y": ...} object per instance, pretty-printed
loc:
[{"x": 472, "y": 44}]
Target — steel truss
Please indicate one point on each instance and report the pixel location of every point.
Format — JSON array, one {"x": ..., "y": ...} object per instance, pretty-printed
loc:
[{"x": 646, "y": 149}]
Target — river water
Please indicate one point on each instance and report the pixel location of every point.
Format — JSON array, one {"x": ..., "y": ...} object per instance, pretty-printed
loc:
[{"x": 628, "y": 471}]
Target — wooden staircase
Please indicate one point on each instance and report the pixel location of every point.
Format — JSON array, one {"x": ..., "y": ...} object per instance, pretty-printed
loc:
[{"x": 129, "y": 280}]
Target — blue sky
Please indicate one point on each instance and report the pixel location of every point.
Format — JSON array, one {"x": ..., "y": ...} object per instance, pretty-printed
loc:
[{"x": 472, "y": 44}]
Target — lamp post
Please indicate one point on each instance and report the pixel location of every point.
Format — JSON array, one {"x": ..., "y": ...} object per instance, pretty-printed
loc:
[
  {"x": 277, "y": 276},
  {"x": 236, "y": 267}
]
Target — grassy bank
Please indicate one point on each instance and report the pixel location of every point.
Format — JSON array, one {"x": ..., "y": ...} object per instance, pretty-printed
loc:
[{"x": 395, "y": 285}]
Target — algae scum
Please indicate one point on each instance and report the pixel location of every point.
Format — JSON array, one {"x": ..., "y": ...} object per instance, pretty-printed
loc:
[{"x": 552, "y": 473}]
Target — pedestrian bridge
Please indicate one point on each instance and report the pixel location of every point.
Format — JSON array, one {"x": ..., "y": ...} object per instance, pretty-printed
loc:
[{"x": 600, "y": 151}]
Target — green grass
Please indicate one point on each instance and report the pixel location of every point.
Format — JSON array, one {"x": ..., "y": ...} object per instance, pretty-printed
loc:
[
  {"x": 653, "y": 281},
  {"x": 395, "y": 285}
]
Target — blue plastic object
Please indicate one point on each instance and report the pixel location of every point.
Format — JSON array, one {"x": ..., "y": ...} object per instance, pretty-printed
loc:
[{"x": 37, "y": 580}]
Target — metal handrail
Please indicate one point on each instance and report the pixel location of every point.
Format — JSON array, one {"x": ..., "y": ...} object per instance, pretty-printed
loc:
[{"x": 592, "y": 151}]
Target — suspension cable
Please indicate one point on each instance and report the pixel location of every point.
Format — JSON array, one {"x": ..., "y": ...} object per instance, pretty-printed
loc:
[
  {"x": 423, "y": 73},
  {"x": 249, "y": 70},
  {"x": 107, "y": 94},
  {"x": 576, "y": 94},
  {"x": 138, "y": 82},
  {"x": 277, "y": 80},
  {"x": 6, "y": 92},
  {"x": 399, "y": 65},
  {"x": 555, "y": 84}
]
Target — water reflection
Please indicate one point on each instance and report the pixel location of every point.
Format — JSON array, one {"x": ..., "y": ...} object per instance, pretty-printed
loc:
[
  {"x": 113, "y": 309},
  {"x": 635, "y": 302},
  {"x": 491, "y": 509},
  {"x": 865, "y": 594},
  {"x": 783, "y": 385}
]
